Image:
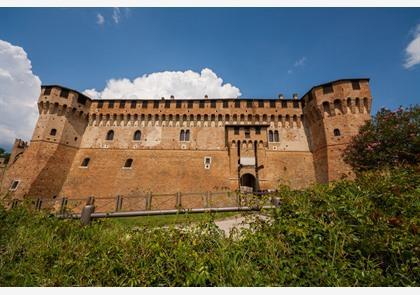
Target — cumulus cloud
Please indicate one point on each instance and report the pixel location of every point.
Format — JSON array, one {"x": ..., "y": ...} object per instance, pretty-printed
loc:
[
  {"x": 19, "y": 92},
  {"x": 183, "y": 85},
  {"x": 412, "y": 51},
  {"x": 100, "y": 20}
]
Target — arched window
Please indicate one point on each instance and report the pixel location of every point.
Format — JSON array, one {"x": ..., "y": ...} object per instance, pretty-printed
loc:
[
  {"x": 270, "y": 136},
  {"x": 337, "y": 132},
  {"x": 85, "y": 162},
  {"x": 187, "y": 135},
  {"x": 128, "y": 163},
  {"x": 276, "y": 136},
  {"x": 182, "y": 135},
  {"x": 110, "y": 135},
  {"x": 137, "y": 135},
  {"x": 53, "y": 132}
]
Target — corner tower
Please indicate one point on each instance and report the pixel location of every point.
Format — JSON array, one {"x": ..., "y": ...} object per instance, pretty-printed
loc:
[
  {"x": 41, "y": 168},
  {"x": 334, "y": 113}
]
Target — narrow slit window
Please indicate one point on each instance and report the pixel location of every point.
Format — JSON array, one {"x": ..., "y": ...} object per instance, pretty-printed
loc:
[
  {"x": 187, "y": 135},
  {"x": 276, "y": 136},
  {"x": 270, "y": 136},
  {"x": 182, "y": 135}
]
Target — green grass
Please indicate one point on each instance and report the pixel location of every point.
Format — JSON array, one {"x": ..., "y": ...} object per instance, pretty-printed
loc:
[
  {"x": 361, "y": 233},
  {"x": 165, "y": 220}
]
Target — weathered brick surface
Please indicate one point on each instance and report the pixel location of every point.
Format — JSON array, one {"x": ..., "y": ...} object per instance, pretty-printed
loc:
[{"x": 304, "y": 149}]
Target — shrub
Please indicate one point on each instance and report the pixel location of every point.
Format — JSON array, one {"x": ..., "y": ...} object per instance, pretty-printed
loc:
[
  {"x": 360, "y": 233},
  {"x": 389, "y": 139}
]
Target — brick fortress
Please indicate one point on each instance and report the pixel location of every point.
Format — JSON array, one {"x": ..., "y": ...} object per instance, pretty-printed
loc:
[{"x": 82, "y": 147}]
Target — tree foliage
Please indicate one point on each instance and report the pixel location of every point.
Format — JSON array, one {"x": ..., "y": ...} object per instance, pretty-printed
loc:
[{"x": 391, "y": 138}]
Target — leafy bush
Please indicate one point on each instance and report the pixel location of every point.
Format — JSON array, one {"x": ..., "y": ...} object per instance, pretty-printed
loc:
[
  {"x": 361, "y": 233},
  {"x": 389, "y": 139}
]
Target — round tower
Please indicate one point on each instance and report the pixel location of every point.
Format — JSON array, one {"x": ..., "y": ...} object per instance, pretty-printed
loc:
[{"x": 334, "y": 113}]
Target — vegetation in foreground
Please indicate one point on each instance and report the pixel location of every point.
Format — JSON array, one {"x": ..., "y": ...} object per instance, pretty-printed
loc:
[{"x": 361, "y": 233}]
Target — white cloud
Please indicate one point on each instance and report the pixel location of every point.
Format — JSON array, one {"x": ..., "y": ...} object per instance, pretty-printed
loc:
[
  {"x": 19, "y": 92},
  {"x": 300, "y": 62},
  {"x": 116, "y": 15},
  {"x": 413, "y": 50},
  {"x": 100, "y": 19},
  {"x": 183, "y": 85}
]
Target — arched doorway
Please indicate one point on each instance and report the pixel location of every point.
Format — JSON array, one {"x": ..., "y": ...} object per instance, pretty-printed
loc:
[{"x": 248, "y": 182}]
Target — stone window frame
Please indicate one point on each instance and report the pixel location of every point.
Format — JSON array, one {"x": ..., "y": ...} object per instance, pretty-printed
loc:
[
  {"x": 184, "y": 135},
  {"x": 225, "y": 104},
  {"x": 272, "y": 103},
  {"x": 355, "y": 85},
  {"x": 133, "y": 104},
  {"x": 100, "y": 104},
  {"x": 213, "y": 104},
  {"x": 64, "y": 93},
  {"x": 110, "y": 135},
  {"x": 47, "y": 90},
  {"x": 207, "y": 160},
  {"x": 122, "y": 104},
  {"x": 53, "y": 132}
]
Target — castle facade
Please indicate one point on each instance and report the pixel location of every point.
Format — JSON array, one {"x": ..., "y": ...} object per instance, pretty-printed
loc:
[{"x": 82, "y": 147}]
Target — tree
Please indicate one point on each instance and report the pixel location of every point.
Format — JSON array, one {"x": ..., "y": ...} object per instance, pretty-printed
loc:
[
  {"x": 390, "y": 139},
  {"x": 4, "y": 154}
]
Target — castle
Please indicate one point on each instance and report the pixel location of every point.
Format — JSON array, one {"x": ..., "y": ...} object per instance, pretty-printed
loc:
[{"x": 83, "y": 147}]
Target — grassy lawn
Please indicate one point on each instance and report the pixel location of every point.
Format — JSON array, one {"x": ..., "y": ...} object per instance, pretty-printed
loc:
[{"x": 164, "y": 220}]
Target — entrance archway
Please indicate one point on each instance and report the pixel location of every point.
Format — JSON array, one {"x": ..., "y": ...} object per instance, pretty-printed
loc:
[{"x": 248, "y": 180}]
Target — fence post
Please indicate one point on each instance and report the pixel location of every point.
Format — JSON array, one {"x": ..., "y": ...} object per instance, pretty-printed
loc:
[
  {"x": 90, "y": 200},
  {"x": 117, "y": 203},
  {"x": 149, "y": 201},
  {"x": 178, "y": 200},
  {"x": 238, "y": 199},
  {"x": 63, "y": 205},
  {"x": 86, "y": 215}
]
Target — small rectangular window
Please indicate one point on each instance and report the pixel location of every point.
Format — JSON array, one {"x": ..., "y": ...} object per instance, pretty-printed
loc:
[
  {"x": 327, "y": 88},
  {"x": 284, "y": 104},
  {"x": 355, "y": 85},
  {"x": 144, "y": 104},
  {"x": 260, "y": 103},
  {"x": 178, "y": 104},
  {"x": 156, "y": 104},
  {"x": 122, "y": 104},
  {"x": 236, "y": 130},
  {"x": 14, "y": 185},
  {"x": 213, "y": 104},
  {"x": 296, "y": 104},
  {"x": 207, "y": 160},
  {"x": 257, "y": 130},
  {"x": 201, "y": 105},
  {"x": 272, "y": 104},
  {"x": 111, "y": 104},
  {"x": 64, "y": 93},
  {"x": 249, "y": 104},
  {"x": 167, "y": 104},
  {"x": 100, "y": 104},
  {"x": 47, "y": 90},
  {"x": 133, "y": 104},
  {"x": 190, "y": 104},
  {"x": 225, "y": 104},
  {"x": 237, "y": 103}
]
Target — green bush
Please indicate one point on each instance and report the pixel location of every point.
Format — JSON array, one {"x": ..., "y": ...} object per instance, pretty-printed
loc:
[
  {"x": 360, "y": 233},
  {"x": 389, "y": 139}
]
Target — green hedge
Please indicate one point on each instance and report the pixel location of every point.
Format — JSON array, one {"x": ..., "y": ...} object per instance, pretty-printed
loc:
[{"x": 361, "y": 233}]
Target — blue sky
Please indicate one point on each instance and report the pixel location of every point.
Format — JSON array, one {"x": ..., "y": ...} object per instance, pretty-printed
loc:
[{"x": 261, "y": 51}]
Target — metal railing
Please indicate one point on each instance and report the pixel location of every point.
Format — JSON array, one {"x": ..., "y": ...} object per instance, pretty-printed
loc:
[{"x": 154, "y": 204}]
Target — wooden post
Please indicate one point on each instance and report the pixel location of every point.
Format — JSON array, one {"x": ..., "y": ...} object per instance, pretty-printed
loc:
[
  {"x": 178, "y": 200},
  {"x": 149, "y": 201}
]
